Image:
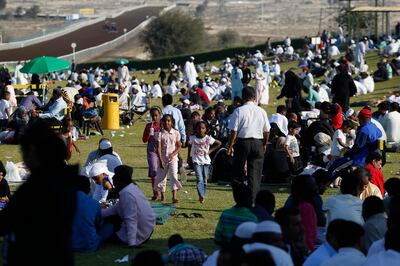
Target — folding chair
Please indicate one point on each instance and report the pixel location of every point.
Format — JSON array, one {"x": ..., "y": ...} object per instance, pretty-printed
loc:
[{"x": 139, "y": 111}]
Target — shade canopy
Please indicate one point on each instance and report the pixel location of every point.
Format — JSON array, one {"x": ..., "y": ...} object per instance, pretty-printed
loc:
[
  {"x": 45, "y": 64},
  {"x": 121, "y": 61}
]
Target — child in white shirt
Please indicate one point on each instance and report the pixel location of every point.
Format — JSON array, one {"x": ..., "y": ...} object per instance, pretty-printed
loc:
[
  {"x": 292, "y": 147},
  {"x": 339, "y": 140},
  {"x": 201, "y": 145}
]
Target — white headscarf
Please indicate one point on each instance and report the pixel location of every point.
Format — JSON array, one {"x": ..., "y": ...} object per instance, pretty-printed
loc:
[{"x": 259, "y": 68}]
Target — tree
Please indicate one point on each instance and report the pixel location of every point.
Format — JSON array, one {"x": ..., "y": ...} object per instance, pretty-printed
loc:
[
  {"x": 33, "y": 11},
  {"x": 20, "y": 11},
  {"x": 227, "y": 38},
  {"x": 3, "y": 4},
  {"x": 174, "y": 33}
]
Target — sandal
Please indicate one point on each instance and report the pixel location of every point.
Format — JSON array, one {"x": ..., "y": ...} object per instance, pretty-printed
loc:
[
  {"x": 181, "y": 215},
  {"x": 175, "y": 201},
  {"x": 195, "y": 215}
]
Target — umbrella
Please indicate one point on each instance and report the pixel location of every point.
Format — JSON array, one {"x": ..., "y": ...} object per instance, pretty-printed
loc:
[
  {"x": 121, "y": 61},
  {"x": 45, "y": 64}
]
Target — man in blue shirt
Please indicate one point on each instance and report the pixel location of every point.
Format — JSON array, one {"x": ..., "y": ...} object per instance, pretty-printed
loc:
[
  {"x": 88, "y": 231},
  {"x": 366, "y": 143},
  {"x": 366, "y": 140},
  {"x": 55, "y": 111}
]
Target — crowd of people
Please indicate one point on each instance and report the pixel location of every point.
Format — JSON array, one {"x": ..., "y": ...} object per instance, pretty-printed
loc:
[{"x": 315, "y": 140}]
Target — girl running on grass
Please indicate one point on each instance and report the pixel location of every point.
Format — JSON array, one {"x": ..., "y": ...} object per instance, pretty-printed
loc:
[{"x": 200, "y": 146}]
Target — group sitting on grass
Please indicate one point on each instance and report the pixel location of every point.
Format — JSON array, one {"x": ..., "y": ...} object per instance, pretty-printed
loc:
[{"x": 312, "y": 142}]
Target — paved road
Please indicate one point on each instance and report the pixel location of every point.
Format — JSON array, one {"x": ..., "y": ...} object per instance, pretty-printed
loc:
[{"x": 85, "y": 37}]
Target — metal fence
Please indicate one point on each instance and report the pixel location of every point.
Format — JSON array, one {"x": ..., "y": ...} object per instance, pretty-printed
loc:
[
  {"x": 91, "y": 52},
  {"x": 74, "y": 27}
]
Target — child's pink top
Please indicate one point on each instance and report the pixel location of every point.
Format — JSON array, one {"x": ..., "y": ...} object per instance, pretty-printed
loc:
[{"x": 168, "y": 143}]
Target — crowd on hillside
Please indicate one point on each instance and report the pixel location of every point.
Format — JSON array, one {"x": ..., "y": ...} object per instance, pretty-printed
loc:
[{"x": 316, "y": 140}]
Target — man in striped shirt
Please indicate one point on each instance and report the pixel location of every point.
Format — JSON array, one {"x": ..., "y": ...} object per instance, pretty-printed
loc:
[{"x": 231, "y": 218}]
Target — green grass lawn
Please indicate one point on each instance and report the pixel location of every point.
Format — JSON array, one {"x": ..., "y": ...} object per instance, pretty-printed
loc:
[{"x": 127, "y": 142}]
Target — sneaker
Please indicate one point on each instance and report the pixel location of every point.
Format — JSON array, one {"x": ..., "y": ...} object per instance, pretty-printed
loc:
[{"x": 201, "y": 200}]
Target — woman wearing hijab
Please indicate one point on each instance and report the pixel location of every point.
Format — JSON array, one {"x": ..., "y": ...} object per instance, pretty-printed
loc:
[
  {"x": 292, "y": 91},
  {"x": 342, "y": 88},
  {"x": 260, "y": 82}
]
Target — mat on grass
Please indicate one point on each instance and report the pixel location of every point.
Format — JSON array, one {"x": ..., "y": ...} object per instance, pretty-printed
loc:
[{"x": 163, "y": 212}]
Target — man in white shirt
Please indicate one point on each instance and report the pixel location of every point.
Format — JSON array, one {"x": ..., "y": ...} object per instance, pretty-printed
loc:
[
  {"x": 367, "y": 80},
  {"x": 156, "y": 91},
  {"x": 333, "y": 50},
  {"x": 123, "y": 73},
  {"x": 349, "y": 241},
  {"x": 139, "y": 102},
  {"x": 391, "y": 123},
  {"x": 360, "y": 53},
  {"x": 275, "y": 69},
  {"x": 249, "y": 127},
  {"x": 190, "y": 72},
  {"x": 287, "y": 41},
  {"x": 280, "y": 119}
]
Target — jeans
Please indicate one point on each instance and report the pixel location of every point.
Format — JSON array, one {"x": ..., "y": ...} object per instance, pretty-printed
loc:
[{"x": 202, "y": 172}]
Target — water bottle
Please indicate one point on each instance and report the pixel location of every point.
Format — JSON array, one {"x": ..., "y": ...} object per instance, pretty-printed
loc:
[{"x": 151, "y": 131}]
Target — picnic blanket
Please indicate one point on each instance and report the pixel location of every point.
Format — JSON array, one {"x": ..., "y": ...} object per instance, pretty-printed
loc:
[{"x": 162, "y": 212}]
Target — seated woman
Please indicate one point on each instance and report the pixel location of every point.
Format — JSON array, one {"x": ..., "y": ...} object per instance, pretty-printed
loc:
[{"x": 276, "y": 156}]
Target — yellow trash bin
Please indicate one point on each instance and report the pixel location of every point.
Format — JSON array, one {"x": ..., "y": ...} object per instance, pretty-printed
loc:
[{"x": 110, "y": 111}]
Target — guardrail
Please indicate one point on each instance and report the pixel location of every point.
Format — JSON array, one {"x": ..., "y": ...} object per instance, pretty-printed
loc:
[
  {"x": 91, "y": 52},
  {"x": 24, "y": 43},
  {"x": 68, "y": 29}
]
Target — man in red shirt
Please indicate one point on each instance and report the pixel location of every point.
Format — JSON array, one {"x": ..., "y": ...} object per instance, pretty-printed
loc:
[{"x": 374, "y": 164}]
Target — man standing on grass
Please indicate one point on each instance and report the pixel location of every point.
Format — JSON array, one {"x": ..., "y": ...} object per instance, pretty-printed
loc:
[{"x": 249, "y": 127}]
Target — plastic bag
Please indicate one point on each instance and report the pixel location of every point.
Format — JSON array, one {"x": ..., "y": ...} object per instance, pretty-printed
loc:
[{"x": 12, "y": 173}]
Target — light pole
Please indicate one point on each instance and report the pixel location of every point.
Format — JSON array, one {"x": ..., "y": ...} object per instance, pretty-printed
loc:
[
  {"x": 73, "y": 46},
  {"x": 125, "y": 30}
]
